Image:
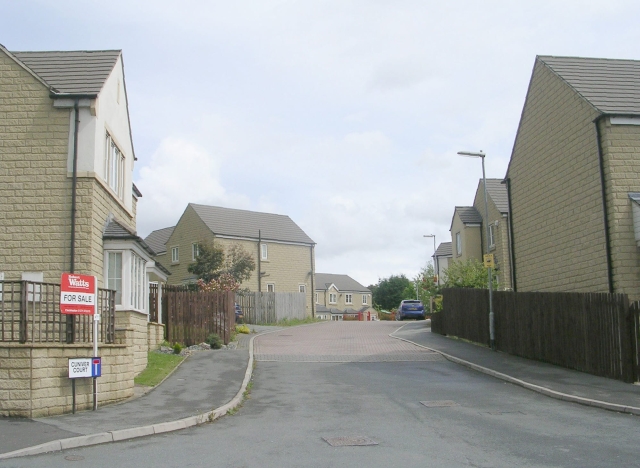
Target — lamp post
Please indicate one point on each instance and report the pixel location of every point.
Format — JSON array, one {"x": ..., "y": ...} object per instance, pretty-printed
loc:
[
  {"x": 481, "y": 155},
  {"x": 434, "y": 251}
]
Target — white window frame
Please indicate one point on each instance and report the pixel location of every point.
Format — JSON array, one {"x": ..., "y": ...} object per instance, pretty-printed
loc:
[
  {"x": 302, "y": 288},
  {"x": 264, "y": 252},
  {"x": 492, "y": 236},
  {"x": 138, "y": 279},
  {"x": 195, "y": 251},
  {"x": 114, "y": 278},
  {"x": 114, "y": 166},
  {"x": 365, "y": 299},
  {"x": 348, "y": 298},
  {"x": 317, "y": 296},
  {"x": 271, "y": 287},
  {"x": 333, "y": 298},
  {"x": 175, "y": 254},
  {"x": 458, "y": 244}
]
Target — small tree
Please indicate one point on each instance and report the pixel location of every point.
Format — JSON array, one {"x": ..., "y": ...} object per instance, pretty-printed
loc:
[
  {"x": 213, "y": 264},
  {"x": 388, "y": 293},
  {"x": 470, "y": 273}
]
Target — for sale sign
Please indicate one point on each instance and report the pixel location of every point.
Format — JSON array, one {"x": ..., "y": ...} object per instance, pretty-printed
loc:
[{"x": 77, "y": 294}]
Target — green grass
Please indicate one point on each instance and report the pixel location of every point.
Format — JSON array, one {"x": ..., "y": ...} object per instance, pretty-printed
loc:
[
  {"x": 158, "y": 367},
  {"x": 293, "y": 322}
]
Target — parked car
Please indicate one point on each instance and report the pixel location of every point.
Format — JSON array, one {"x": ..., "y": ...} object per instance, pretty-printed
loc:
[
  {"x": 410, "y": 309},
  {"x": 239, "y": 314}
]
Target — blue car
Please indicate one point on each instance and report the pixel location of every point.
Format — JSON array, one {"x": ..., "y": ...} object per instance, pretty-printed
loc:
[
  {"x": 410, "y": 309},
  {"x": 239, "y": 314}
]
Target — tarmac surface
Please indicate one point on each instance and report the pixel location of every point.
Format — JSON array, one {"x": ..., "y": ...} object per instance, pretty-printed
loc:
[{"x": 210, "y": 383}]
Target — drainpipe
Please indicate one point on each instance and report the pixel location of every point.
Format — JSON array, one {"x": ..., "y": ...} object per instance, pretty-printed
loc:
[
  {"x": 259, "y": 261},
  {"x": 74, "y": 186},
  {"x": 605, "y": 211},
  {"x": 512, "y": 254},
  {"x": 313, "y": 291}
]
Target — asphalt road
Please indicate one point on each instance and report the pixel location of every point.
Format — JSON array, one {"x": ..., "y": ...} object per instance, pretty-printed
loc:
[{"x": 419, "y": 413}]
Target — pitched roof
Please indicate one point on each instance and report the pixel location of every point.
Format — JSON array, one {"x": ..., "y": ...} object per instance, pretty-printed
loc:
[
  {"x": 243, "y": 223},
  {"x": 497, "y": 192},
  {"x": 115, "y": 230},
  {"x": 158, "y": 239},
  {"x": 612, "y": 86},
  {"x": 444, "y": 250},
  {"x": 468, "y": 215},
  {"x": 342, "y": 282},
  {"x": 71, "y": 72}
]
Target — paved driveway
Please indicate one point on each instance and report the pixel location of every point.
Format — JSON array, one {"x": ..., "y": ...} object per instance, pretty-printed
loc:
[{"x": 339, "y": 342}]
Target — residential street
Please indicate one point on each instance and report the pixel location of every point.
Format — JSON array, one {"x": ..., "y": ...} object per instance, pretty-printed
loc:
[{"x": 351, "y": 380}]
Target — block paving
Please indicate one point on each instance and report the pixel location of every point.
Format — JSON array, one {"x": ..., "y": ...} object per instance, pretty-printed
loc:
[{"x": 339, "y": 342}]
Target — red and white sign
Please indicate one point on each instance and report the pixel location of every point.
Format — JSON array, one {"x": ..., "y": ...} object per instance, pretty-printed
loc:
[{"x": 77, "y": 294}]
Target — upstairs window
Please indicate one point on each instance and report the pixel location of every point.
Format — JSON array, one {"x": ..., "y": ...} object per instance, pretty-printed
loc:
[
  {"x": 114, "y": 167},
  {"x": 195, "y": 251},
  {"x": 333, "y": 298},
  {"x": 458, "y": 244},
  {"x": 492, "y": 236},
  {"x": 365, "y": 299},
  {"x": 348, "y": 299},
  {"x": 175, "y": 255},
  {"x": 264, "y": 252}
]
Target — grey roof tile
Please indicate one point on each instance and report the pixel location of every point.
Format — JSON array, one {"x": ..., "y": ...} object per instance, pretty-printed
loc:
[
  {"x": 71, "y": 72},
  {"x": 342, "y": 282},
  {"x": 243, "y": 223},
  {"x": 612, "y": 86},
  {"x": 468, "y": 215},
  {"x": 497, "y": 192},
  {"x": 444, "y": 250},
  {"x": 115, "y": 230},
  {"x": 158, "y": 239}
]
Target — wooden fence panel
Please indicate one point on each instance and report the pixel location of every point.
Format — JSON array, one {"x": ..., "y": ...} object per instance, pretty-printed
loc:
[
  {"x": 593, "y": 332},
  {"x": 191, "y": 316},
  {"x": 271, "y": 307}
]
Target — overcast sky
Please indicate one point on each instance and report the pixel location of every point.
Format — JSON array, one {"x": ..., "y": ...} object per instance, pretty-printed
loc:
[{"x": 344, "y": 115}]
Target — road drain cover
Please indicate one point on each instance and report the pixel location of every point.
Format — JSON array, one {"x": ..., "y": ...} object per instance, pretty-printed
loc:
[
  {"x": 349, "y": 441},
  {"x": 439, "y": 403}
]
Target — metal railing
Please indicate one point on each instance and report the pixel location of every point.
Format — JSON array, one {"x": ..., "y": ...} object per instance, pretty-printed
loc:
[{"x": 30, "y": 313}]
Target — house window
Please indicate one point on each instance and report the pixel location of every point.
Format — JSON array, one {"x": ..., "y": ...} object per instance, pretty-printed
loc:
[
  {"x": 492, "y": 236},
  {"x": 264, "y": 252},
  {"x": 302, "y": 288},
  {"x": 365, "y": 299},
  {"x": 271, "y": 287},
  {"x": 458, "y": 244},
  {"x": 114, "y": 166},
  {"x": 333, "y": 298},
  {"x": 195, "y": 251},
  {"x": 316, "y": 298},
  {"x": 137, "y": 282},
  {"x": 175, "y": 257},
  {"x": 114, "y": 274},
  {"x": 348, "y": 299}
]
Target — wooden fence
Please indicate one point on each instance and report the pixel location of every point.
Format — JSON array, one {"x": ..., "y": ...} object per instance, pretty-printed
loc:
[
  {"x": 593, "y": 333},
  {"x": 271, "y": 307},
  {"x": 30, "y": 313},
  {"x": 190, "y": 316}
]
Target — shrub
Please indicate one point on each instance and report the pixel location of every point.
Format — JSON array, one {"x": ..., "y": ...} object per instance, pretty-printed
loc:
[
  {"x": 243, "y": 329},
  {"x": 177, "y": 348},
  {"x": 214, "y": 341}
]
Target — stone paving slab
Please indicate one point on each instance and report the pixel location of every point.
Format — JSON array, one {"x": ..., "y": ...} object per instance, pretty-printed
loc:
[{"x": 339, "y": 342}]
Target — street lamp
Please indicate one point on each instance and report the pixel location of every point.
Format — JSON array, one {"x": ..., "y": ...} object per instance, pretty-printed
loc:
[
  {"x": 434, "y": 251},
  {"x": 481, "y": 155}
]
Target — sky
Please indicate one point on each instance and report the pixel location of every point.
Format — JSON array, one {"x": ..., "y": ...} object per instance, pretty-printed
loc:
[{"x": 345, "y": 115}]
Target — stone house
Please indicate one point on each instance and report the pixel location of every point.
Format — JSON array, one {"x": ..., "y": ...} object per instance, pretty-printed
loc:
[
  {"x": 283, "y": 252},
  {"x": 337, "y": 295},
  {"x": 69, "y": 203},
  {"x": 469, "y": 231},
  {"x": 573, "y": 177},
  {"x": 441, "y": 258}
]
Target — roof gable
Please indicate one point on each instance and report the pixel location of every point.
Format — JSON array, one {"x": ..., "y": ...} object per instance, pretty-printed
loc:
[
  {"x": 497, "y": 193},
  {"x": 611, "y": 86},
  {"x": 246, "y": 224},
  {"x": 444, "y": 250},
  {"x": 71, "y": 72},
  {"x": 158, "y": 239},
  {"x": 341, "y": 282}
]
